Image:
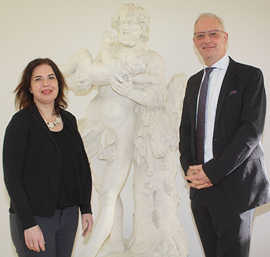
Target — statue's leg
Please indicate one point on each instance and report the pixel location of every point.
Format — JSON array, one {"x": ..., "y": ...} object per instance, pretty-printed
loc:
[
  {"x": 110, "y": 186},
  {"x": 145, "y": 229},
  {"x": 114, "y": 242}
]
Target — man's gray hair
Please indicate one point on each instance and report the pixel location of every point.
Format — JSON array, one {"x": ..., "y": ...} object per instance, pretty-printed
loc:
[{"x": 211, "y": 15}]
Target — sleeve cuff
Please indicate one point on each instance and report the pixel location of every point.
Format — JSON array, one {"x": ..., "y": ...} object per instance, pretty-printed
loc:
[{"x": 85, "y": 209}]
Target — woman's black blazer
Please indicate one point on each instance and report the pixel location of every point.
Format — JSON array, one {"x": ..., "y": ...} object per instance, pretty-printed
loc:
[{"x": 32, "y": 163}]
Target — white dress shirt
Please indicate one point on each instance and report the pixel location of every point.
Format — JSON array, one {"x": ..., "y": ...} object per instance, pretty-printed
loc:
[{"x": 214, "y": 85}]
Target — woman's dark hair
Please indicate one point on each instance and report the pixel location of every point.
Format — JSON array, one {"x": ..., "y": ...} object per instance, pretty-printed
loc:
[{"x": 24, "y": 98}]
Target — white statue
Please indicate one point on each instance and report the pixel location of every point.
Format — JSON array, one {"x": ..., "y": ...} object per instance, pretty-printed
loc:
[
  {"x": 157, "y": 229},
  {"x": 129, "y": 121}
]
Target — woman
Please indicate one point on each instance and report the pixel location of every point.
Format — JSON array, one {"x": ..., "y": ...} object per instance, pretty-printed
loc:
[{"x": 46, "y": 169}]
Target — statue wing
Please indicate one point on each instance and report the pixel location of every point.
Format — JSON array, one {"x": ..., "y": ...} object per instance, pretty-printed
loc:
[
  {"x": 175, "y": 96},
  {"x": 174, "y": 102}
]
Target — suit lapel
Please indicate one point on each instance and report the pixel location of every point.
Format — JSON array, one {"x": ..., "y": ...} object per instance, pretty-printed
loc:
[
  {"x": 195, "y": 93},
  {"x": 227, "y": 85}
]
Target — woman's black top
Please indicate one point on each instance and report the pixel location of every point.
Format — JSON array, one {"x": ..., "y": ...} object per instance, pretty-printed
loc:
[
  {"x": 68, "y": 193},
  {"x": 44, "y": 171}
]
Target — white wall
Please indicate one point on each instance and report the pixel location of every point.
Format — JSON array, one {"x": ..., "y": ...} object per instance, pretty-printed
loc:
[{"x": 56, "y": 29}]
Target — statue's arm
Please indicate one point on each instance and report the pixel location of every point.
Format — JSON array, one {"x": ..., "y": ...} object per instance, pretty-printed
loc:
[
  {"x": 146, "y": 88},
  {"x": 81, "y": 72}
]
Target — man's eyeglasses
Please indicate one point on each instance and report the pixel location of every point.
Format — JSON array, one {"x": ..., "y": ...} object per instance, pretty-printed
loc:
[{"x": 213, "y": 34}]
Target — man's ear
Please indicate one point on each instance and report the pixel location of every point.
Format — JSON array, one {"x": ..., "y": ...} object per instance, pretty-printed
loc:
[{"x": 226, "y": 36}]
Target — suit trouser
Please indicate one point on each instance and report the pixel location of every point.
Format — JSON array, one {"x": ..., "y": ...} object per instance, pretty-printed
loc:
[
  {"x": 59, "y": 233},
  {"x": 223, "y": 232}
]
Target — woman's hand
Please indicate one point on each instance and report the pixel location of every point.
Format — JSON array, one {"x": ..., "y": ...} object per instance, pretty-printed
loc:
[
  {"x": 87, "y": 223},
  {"x": 34, "y": 239}
]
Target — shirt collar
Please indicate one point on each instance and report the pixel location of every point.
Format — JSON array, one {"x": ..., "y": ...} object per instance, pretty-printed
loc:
[{"x": 222, "y": 64}]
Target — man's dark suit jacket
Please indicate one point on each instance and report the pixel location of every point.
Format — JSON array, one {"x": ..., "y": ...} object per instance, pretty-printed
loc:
[
  {"x": 237, "y": 168},
  {"x": 32, "y": 161}
]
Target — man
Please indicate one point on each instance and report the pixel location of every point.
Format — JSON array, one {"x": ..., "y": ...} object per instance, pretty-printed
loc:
[{"x": 221, "y": 127}]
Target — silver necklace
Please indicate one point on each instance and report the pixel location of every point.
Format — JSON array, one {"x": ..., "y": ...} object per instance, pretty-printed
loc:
[{"x": 52, "y": 124}]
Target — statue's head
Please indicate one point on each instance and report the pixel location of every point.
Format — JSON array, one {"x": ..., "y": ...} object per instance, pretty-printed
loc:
[{"x": 132, "y": 24}]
